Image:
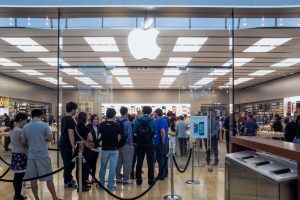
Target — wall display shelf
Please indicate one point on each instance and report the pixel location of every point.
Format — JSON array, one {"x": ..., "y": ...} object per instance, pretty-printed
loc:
[{"x": 264, "y": 110}]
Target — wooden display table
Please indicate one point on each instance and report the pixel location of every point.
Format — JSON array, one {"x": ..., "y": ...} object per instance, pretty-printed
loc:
[
  {"x": 276, "y": 147},
  {"x": 270, "y": 134}
]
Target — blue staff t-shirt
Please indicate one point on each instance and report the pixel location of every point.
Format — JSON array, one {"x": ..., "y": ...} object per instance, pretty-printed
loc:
[{"x": 161, "y": 123}]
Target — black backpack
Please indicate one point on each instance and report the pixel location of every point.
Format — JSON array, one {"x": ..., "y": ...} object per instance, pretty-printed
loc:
[
  {"x": 123, "y": 138},
  {"x": 144, "y": 134}
]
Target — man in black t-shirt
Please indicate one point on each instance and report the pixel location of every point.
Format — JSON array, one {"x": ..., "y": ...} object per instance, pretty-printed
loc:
[{"x": 67, "y": 143}]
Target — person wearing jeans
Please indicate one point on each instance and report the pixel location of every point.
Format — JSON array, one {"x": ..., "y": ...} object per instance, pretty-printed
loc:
[
  {"x": 110, "y": 137},
  {"x": 181, "y": 128}
]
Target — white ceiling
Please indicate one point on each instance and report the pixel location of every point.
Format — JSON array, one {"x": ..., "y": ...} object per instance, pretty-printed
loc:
[{"x": 146, "y": 74}]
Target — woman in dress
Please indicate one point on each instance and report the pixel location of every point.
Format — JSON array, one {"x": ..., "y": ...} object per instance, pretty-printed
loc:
[{"x": 19, "y": 154}]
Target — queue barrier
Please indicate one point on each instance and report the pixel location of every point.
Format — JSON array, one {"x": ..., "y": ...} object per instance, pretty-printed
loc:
[{"x": 186, "y": 165}]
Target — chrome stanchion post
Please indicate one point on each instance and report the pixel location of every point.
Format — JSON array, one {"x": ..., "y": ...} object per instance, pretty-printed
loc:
[
  {"x": 193, "y": 181},
  {"x": 172, "y": 196},
  {"x": 80, "y": 161}
]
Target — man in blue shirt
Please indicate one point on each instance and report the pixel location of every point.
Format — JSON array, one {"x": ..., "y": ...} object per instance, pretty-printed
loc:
[
  {"x": 145, "y": 147},
  {"x": 250, "y": 126},
  {"x": 161, "y": 144}
]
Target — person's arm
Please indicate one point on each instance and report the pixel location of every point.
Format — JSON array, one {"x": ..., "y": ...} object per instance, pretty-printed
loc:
[
  {"x": 72, "y": 138},
  {"x": 163, "y": 135},
  {"x": 129, "y": 132},
  {"x": 49, "y": 135},
  {"x": 176, "y": 129},
  {"x": 89, "y": 137},
  {"x": 23, "y": 139}
]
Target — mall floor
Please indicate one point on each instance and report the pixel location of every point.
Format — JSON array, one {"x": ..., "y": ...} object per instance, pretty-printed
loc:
[{"x": 211, "y": 183}]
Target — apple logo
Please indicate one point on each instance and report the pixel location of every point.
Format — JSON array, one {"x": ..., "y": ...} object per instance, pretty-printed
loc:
[{"x": 142, "y": 43}]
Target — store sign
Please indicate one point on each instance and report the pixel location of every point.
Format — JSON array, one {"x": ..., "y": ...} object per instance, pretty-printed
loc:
[{"x": 198, "y": 127}]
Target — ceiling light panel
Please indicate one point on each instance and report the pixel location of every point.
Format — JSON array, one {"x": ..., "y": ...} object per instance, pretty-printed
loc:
[
  {"x": 107, "y": 44},
  {"x": 261, "y": 72},
  {"x": 171, "y": 72},
  {"x": 124, "y": 80},
  {"x": 167, "y": 80},
  {"x": 96, "y": 86},
  {"x": 205, "y": 81},
  {"x": 31, "y": 72},
  {"x": 128, "y": 86},
  {"x": 287, "y": 62},
  {"x": 53, "y": 61},
  {"x": 112, "y": 61},
  {"x": 189, "y": 44},
  {"x": 68, "y": 86},
  {"x": 179, "y": 61},
  {"x": 163, "y": 86},
  {"x": 120, "y": 72},
  {"x": 8, "y": 63},
  {"x": 26, "y": 44},
  {"x": 219, "y": 72},
  {"x": 86, "y": 80},
  {"x": 238, "y": 62},
  {"x": 266, "y": 44},
  {"x": 72, "y": 71},
  {"x": 242, "y": 80},
  {"x": 52, "y": 80}
]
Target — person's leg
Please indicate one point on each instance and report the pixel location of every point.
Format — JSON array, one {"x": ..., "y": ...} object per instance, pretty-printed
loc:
[
  {"x": 127, "y": 159},
  {"x": 67, "y": 157},
  {"x": 180, "y": 141},
  {"x": 6, "y": 143},
  {"x": 134, "y": 162},
  {"x": 35, "y": 189},
  {"x": 120, "y": 164},
  {"x": 51, "y": 189},
  {"x": 174, "y": 144},
  {"x": 216, "y": 150},
  {"x": 104, "y": 161},
  {"x": 166, "y": 169},
  {"x": 184, "y": 146},
  {"x": 227, "y": 140},
  {"x": 150, "y": 163},
  {"x": 18, "y": 177},
  {"x": 113, "y": 160},
  {"x": 139, "y": 166},
  {"x": 160, "y": 159},
  {"x": 94, "y": 163}
]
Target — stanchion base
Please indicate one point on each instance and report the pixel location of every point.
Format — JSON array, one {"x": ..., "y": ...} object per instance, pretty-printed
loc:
[
  {"x": 192, "y": 182},
  {"x": 172, "y": 197}
]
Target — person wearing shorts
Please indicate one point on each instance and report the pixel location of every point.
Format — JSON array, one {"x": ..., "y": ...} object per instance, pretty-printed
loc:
[{"x": 36, "y": 134}]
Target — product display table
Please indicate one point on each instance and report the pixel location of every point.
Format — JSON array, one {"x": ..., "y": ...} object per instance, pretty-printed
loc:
[
  {"x": 270, "y": 134},
  {"x": 276, "y": 147}
]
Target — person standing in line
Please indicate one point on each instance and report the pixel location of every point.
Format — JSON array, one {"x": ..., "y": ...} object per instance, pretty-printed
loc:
[
  {"x": 83, "y": 134},
  {"x": 127, "y": 150},
  {"x": 145, "y": 130},
  {"x": 229, "y": 124},
  {"x": 67, "y": 144},
  {"x": 181, "y": 128},
  {"x": 161, "y": 143},
  {"x": 36, "y": 134},
  {"x": 110, "y": 137},
  {"x": 93, "y": 155},
  {"x": 289, "y": 131},
  {"x": 215, "y": 128},
  {"x": 297, "y": 124},
  {"x": 251, "y": 126},
  {"x": 6, "y": 138},
  {"x": 19, "y": 153},
  {"x": 172, "y": 133},
  {"x": 131, "y": 118}
]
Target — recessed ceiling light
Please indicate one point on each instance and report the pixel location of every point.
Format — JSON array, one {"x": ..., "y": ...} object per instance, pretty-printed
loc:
[
  {"x": 287, "y": 62},
  {"x": 224, "y": 86},
  {"x": 220, "y": 72},
  {"x": 7, "y": 63},
  {"x": 52, "y": 80},
  {"x": 167, "y": 81},
  {"x": 242, "y": 80},
  {"x": 205, "y": 81},
  {"x": 127, "y": 86},
  {"x": 195, "y": 86},
  {"x": 96, "y": 86},
  {"x": 266, "y": 44},
  {"x": 124, "y": 80},
  {"x": 171, "y": 72},
  {"x": 163, "y": 86},
  {"x": 53, "y": 61},
  {"x": 25, "y": 44},
  {"x": 68, "y": 86},
  {"x": 261, "y": 72},
  {"x": 238, "y": 62},
  {"x": 102, "y": 43},
  {"x": 86, "y": 80},
  {"x": 72, "y": 71},
  {"x": 189, "y": 44},
  {"x": 113, "y": 61},
  {"x": 178, "y": 61},
  {"x": 31, "y": 72},
  {"x": 120, "y": 72}
]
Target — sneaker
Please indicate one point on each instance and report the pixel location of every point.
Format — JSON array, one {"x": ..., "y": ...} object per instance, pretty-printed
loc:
[
  {"x": 70, "y": 185},
  {"x": 127, "y": 182},
  {"x": 119, "y": 181},
  {"x": 84, "y": 189},
  {"x": 20, "y": 198}
]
